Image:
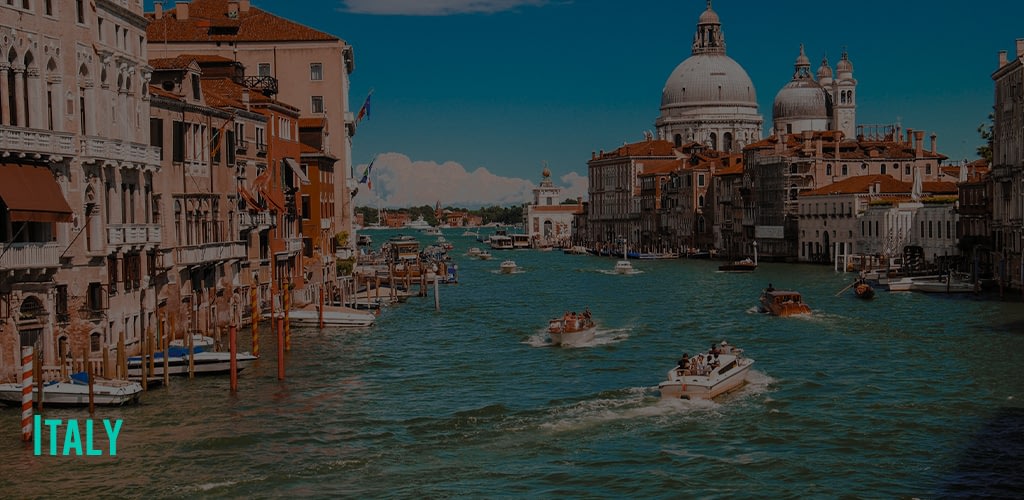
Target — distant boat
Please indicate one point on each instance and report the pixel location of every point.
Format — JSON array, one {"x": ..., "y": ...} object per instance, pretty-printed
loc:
[
  {"x": 419, "y": 223},
  {"x": 624, "y": 267},
  {"x": 738, "y": 266},
  {"x": 508, "y": 267},
  {"x": 337, "y": 316},
  {"x": 863, "y": 290},
  {"x": 484, "y": 255}
]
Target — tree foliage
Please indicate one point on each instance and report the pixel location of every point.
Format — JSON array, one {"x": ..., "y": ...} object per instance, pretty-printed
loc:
[{"x": 985, "y": 131}]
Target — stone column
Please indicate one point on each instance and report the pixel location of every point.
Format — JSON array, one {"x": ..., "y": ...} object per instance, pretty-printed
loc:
[
  {"x": 19, "y": 95},
  {"x": 36, "y": 108},
  {"x": 5, "y": 96}
]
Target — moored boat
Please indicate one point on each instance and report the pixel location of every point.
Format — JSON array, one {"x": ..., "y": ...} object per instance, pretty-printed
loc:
[
  {"x": 942, "y": 284},
  {"x": 783, "y": 303},
  {"x": 75, "y": 392},
  {"x": 721, "y": 370},
  {"x": 336, "y": 316},
  {"x": 198, "y": 340},
  {"x": 203, "y": 362},
  {"x": 572, "y": 329}
]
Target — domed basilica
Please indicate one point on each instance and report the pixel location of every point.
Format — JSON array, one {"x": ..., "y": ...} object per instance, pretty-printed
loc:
[
  {"x": 708, "y": 98},
  {"x": 823, "y": 104}
]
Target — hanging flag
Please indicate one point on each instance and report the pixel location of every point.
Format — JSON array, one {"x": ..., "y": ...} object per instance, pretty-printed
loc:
[
  {"x": 366, "y": 172},
  {"x": 365, "y": 110}
]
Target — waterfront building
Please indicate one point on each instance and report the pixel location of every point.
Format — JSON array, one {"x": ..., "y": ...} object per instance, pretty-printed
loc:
[
  {"x": 613, "y": 212},
  {"x": 781, "y": 167},
  {"x": 876, "y": 215},
  {"x": 304, "y": 67},
  {"x": 657, "y": 208},
  {"x": 709, "y": 98},
  {"x": 549, "y": 222},
  {"x": 1008, "y": 168},
  {"x": 730, "y": 199},
  {"x": 974, "y": 233},
  {"x": 316, "y": 207},
  {"x": 76, "y": 223}
]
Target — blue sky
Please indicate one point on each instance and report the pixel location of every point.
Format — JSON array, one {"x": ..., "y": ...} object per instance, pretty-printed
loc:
[{"x": 489, "y": 90}]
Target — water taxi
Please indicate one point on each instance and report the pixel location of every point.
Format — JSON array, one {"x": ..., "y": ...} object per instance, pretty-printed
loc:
[
  {"x": 738, "y": 266},
  {"x": 508, "y": 267},
  {"x": 783, "y": 303}
]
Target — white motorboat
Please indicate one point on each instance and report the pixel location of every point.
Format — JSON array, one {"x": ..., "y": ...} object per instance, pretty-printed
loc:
[
  {"x": 572, "y": 329},
  {"x": 708, "y": 375},
  {"x": 198, "y": 340},
  {"x": 337, "y": 316},
  {"x": 624, "y": 267},
  {"x": 75, "y": 392},
  {"x": 508, "y": 267},
  {"x": 942, "y": 284},
  {"x": 419, "y": 223},
  {"x": 204, "y": 362},
  {"x": 484, "y": 255}
]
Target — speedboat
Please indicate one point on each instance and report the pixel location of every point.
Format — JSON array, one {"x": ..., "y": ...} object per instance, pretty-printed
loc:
[
  {"x": 203, "y": 362},
  {"x": 572, "y": 329},
  {"x": 508, "y": 267},
  {"x": 484, "y": 255},
  {"x": 75, "y": 392},
  {"x": 624, "y": 267},
  {"x": 783, "y": 303},
  {"x": 198, "y": 340},
  {"x": 706, "y": 376},
  {"x": 942, "y": 284},
  {"x": 338, "y": 316}
]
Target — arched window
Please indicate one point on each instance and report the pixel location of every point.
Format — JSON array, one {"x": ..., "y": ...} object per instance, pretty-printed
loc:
[
  {"x": 727, "y": 141},
  {"x": 845, "y": 170},
  {"x": 792, "y": 168},
  {"x": 882, "y": 170},
  {"x": 677, "y": 140},
  {"x": 828, "y": 169},
  {"x": 713, "y": 141}
]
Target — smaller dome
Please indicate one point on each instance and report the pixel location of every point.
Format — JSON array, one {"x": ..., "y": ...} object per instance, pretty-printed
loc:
[
  {"x": 824, "y": 71},
  {"x": 802, "y": 98},
  {"x": 802, "y": 59},
  {"x": 844, "y": 65},
  {"x": 709, "y": 17}
]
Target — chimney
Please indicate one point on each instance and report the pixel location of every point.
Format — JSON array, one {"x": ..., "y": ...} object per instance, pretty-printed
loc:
[
  {"x": 933, "y": 141},
  {"x": 1020, "y": 47},
  {"x": 181, "y": 10},
  {"x": 1002, "y": 58},
  {"x": 245, "y": 99},
  {"x": 158, "y": 9},
  {"x": 233, "y": 9},
  {"x": 910, "y": 136},
  {"x": 243, "y": 5},
  {"x": 918, "y": 142}
]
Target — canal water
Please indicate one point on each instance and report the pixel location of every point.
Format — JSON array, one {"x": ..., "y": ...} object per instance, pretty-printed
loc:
[{"x": 907, "y": 395}]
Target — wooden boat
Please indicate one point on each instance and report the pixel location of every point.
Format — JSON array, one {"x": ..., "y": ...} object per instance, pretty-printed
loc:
[
  {"x": 203, "y": 362},
  {"x": 783, "y": 303},
  {"x": 719, "y": 371},
  {"x": 572, "y": 329},
  {"x": 508, "y": 267},
  {"x": 75, "y": 392},
  {"x": 863, "y": 290},
  {"x": 738, "y": 266}
]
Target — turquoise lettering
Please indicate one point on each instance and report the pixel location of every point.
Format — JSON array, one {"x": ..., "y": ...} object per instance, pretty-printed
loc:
[
  {"x": 89, "y": 450},
  {"x": 73, "y": 438},
  {"x": 37, "y": 441},
  {"x": 112, "y": 434},
  {"x": 53, "y": 424}
]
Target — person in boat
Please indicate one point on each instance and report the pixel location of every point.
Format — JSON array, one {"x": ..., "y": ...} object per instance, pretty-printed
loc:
[
  {"x": 770, "y": 288},
  {"x": 684, "y": 362},
  {"x": 714, "y": 351},
  {"x": 586, "y": 312}
]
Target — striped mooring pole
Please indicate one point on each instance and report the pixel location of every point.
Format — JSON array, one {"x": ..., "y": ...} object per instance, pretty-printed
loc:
[{"x": 26, "y": 393}]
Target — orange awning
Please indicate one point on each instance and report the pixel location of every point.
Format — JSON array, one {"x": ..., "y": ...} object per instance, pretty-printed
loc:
[{"x": 32, "y": 194}]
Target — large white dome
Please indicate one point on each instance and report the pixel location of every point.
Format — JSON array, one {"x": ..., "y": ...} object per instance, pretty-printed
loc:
[{"x": 708, "y": 79}]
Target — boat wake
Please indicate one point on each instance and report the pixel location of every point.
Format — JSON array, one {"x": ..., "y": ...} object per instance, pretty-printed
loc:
[
  {"x": 517, "y": 270},
  {"x": 601, "y": 337},
  {"x": 610, "y": 406},
  {"x": 614, "y": 272}
]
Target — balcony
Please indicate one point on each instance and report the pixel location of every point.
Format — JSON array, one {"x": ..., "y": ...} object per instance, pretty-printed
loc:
[
  {"x": 258, "y": 220},
  {"x": 32, "y": 141},
  {"x": 211, "y": 252},
  {"x": 135, "y": 153},
  {"x": 133, "y": 234},
  {"x": 292, "y": 245},
  {"x": 30, "y": 255},
  {"x": 265, "y": 84}
]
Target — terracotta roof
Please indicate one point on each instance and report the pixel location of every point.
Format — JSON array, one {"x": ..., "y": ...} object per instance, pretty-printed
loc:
[
  {"x": 157, "y": 91},
  {"x": 179, "y": 62},
  {"x": 735, "y": 169},
  {"x": 886, "y": 185},
  {"x": 208, "y": 21},
  {"x": 653, "y": 147}
]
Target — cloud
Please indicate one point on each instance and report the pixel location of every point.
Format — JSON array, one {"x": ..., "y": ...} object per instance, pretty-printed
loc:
[
  {"x": 398, "y": 181},
  {"x": 433, "y": 7}
]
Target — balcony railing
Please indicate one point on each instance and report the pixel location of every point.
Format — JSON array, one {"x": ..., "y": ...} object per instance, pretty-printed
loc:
[
  {"x": 30, "y": 255},
  {"x": 212, "y": 252},
  {"x": 100, "y": 147},
  {"x": 18, "y": 139},
  {"x": 293, "y": 245},
  {"x": 248, "y": 220},
  {"x": 121, "y": 234},
  {"x": 265, "y": 84}
]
